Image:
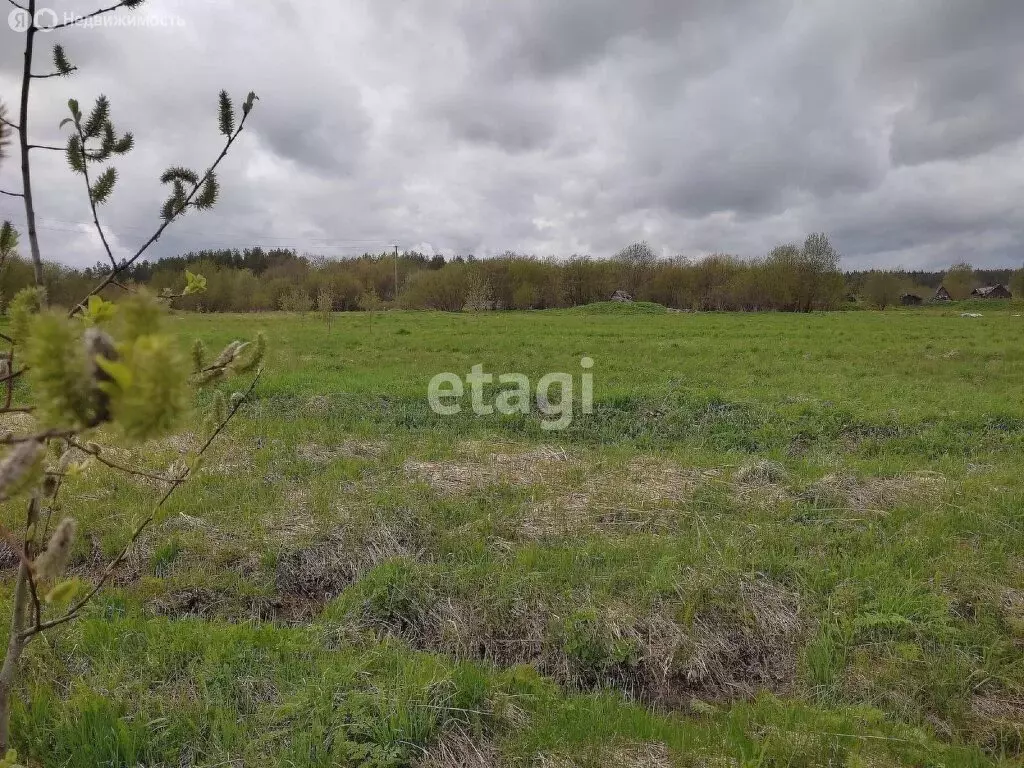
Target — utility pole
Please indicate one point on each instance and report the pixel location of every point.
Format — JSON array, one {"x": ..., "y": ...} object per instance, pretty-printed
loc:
[{"x": 396, "y": 273}]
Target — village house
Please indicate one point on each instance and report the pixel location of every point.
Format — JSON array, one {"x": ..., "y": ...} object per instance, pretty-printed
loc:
[{"x": 997, "y": 291}]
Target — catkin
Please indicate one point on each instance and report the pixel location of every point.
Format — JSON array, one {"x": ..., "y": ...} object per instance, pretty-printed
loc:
[
  {"x": 54, "y": 560},
  {"x": 99, "y": 344},
  {"x": 229, "y": 353},
  {"x": 18, "y": 465}
]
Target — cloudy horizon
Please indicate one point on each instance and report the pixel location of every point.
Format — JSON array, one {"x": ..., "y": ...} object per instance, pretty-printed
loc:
[{"x": 554, "y": 129}]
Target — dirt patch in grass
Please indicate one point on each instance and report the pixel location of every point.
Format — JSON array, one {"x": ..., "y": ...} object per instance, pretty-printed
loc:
[
  {"x": 305, "y": 579},
  {"x": 224, "y": 605},
  {"x": 874, "y": 494},
  {"x": 205, "y": 603},
  {"x": 194, "y": 601},
  {"x": 1012, "y": 604},
  {"x": 641, "y": 756},
  {"x": 320, "y": 572},
  {"x": 9, "y": 559},
  {"x": 318, "y": 405}
]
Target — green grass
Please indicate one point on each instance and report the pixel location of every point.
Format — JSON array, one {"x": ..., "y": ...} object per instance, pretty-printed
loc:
[
  {"x": 788, "y": 540},
  {"x": 621, "y": 308}
]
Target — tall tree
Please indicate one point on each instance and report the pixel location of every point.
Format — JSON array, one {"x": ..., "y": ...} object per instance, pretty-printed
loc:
[
  {"x": 638, "y": 262},
  {"x": 1017, "y": 284},
  {"x": 8, "y": 235},
  {"x": 960, "y": 281},
  {"x": 882, "y": 289}
]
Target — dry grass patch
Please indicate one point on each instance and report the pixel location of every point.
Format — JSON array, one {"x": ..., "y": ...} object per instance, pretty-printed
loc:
[
  {"x": 762, "y": 482},
  {"x": 721, "y": 655},
  {"x": 457, "y": 749},
  {"x": 204, "y": 603},
  {"x": 1005, "y": 709},
  {"x": 453, "y": 478},
  {"x": 999, "y": 722},
  {"x": 322, "y": 455},
  {"x": 643, "y": 497},
  {"x": 874, "y": 494},
  {"x": 183, "y": 443},
  {"x": 760, "y": 474},
  {"x": 322, "y": 570},
  {"x": 294, "y": 521},
  {"x": 1011, "y": 605},
  {"x": 650, "y": 755},
  {"x": 728, "y": 659},
  {"x": 651, "y": 481},
  {"x": 17, "y": 423}
]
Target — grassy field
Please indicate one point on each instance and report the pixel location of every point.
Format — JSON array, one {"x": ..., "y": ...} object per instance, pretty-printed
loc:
[{"x": 779, "y": 540}]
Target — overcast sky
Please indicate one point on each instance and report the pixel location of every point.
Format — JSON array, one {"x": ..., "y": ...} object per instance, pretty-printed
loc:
[{"x": 556, "y": 127}]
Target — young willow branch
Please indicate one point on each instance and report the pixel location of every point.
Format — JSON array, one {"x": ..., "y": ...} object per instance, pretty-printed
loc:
[
  {"x": 73, "y": 612},
  {"x": 54, "y": 74},
  {"x": 94, "y": 14},
  {"x": 97, "y": 454},
  {"x": 196, "y": 188},
  {"x": 92, "y": 199}
]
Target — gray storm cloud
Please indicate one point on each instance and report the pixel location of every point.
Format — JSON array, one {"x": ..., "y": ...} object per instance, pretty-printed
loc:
[{"x": 558, "y": 128}]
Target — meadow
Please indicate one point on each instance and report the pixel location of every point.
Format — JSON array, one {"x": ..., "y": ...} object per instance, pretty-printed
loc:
[{"x": 779, "y": 540}]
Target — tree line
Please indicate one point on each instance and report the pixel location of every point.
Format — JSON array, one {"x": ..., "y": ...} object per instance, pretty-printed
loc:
[{"x": 790, "y": 278}]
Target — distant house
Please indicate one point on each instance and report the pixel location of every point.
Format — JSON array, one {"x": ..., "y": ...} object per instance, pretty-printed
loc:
[
  {"x": 997, "y": 291},
  {"x": 910, "y": 299},
  {"x": 623, "y": 297},
  {"x": 942, "y": 294}
]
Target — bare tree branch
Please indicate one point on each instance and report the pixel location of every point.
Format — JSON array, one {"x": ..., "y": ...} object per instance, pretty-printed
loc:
[{"x": 11, "y": 194}]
